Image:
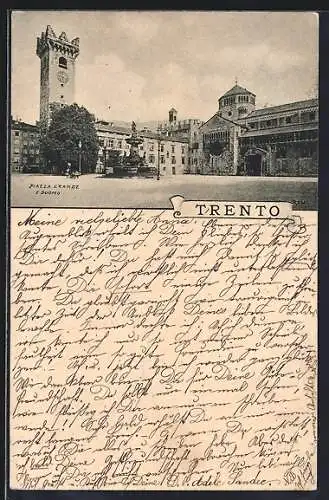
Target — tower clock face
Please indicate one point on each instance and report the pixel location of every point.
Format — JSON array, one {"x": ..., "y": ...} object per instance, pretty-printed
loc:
[{"x": 62, "y": 77}]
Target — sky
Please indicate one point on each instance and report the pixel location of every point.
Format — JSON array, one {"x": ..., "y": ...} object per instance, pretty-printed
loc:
[{"x": 137, "y": 65}]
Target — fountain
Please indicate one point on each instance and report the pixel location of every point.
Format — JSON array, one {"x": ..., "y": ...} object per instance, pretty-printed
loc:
[
  {"x": 133, "y": 161},
  {"x": 131, "y": 165}
]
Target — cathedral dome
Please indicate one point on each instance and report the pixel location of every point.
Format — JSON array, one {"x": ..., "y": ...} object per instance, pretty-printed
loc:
[
  {"x": 236, "y": 90},
  {"x": 236, "y": 103}
]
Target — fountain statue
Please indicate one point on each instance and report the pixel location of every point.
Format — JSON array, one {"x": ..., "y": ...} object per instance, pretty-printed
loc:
[{"x": 132, "y": 164}]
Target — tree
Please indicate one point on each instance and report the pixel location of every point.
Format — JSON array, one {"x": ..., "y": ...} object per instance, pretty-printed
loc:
[{"x": 60, "y": 143}]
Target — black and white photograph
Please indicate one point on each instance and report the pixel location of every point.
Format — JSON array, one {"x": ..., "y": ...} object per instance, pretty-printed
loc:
[
  {"x": 162, "y": 283},
  {"x": 127, "y": 109}
]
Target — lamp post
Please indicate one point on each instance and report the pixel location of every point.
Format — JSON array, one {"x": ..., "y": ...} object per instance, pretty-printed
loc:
[{"x": 80, "y": 146}]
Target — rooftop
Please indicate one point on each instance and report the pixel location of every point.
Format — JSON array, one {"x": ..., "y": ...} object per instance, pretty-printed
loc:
[
  {"x": 292, "y": 106},
  {"x": 19, "y": 125},
  {"x": 107, "y": 127},
  {"x": 142, "y": 133},
  {"x": 296, "y": 127},
  {"x": 217, "y": 120},
  {"x": 237, "y": 89}
]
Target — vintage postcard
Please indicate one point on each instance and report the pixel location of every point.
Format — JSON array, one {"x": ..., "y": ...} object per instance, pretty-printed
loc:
[{"x": 163, "y": 250}]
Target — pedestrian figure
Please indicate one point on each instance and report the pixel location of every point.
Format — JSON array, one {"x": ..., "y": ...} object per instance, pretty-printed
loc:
[{"x": 68, "y": 169}]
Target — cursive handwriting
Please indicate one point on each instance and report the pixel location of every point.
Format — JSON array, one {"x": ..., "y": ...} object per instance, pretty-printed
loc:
[{"x": 154, "y": 352}]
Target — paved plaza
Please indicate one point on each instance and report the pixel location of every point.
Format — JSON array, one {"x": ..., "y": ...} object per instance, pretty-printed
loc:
[{"x": 92, "y": 190}]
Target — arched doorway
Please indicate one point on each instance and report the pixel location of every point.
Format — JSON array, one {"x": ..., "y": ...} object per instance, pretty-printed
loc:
[{"x": 254, "y": 162}]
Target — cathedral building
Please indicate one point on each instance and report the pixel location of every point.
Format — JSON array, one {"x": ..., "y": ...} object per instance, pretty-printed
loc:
[
  {"x": 274, "y": 141},
  {"x": 280, "y": 140}
]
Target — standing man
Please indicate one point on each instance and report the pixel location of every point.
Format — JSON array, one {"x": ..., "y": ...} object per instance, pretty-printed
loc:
[{"x": 68, "y": 169}]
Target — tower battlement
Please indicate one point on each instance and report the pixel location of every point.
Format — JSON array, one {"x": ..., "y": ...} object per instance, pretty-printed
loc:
[{"x": 50, "y": 41}]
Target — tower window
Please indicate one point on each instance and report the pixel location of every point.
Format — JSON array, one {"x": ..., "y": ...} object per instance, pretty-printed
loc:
[
  {"x": 62, "y": 62},
  {"x": 62, "y": 97}
]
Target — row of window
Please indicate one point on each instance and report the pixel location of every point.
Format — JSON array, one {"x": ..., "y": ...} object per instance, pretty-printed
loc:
[
  {"x": 120, "y": 145},
  {"x": 217, "y": 136},
  {"x": 25, "y": 160},
  {"x": 25, "y": 143},
  {"x": 228, "y": 101},
  {"x": 305, "y": 151},
  {"x": 294, "y": 137},
  {"x": 172, "y": 170},
  {"x": 162, "y": 148},
  {"x": 306, "y": 116},
  {"x": 111, "y": 143},
  {"x": 26, "y": 150},
  {"x": 32, "y": 135},
  {"x": 151, "y": 159}
]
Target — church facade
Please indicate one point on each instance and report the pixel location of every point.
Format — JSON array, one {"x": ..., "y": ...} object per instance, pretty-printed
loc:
[{"x": 274, "y": 141}]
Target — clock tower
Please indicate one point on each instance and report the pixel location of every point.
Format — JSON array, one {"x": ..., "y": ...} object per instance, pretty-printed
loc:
[{"x": 57, "y": 55}]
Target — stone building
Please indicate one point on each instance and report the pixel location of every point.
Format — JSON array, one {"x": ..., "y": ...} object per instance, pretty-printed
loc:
[
  {"x": 168, "y": 153},
  {"x": 281, "y": 141},
  {"x": 218, "y": 149},
  {"x": 274, "y": 141},
  {"x": 188, "y": 129},
  {"x": 57, "y": 72},
  {"x": 24, "y": 147}
]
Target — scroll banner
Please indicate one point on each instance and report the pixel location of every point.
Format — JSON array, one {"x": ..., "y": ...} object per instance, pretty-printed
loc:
[{"x": 230, "y": 209}]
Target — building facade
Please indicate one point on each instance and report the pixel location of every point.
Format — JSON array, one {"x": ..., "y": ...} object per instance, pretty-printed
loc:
[
  {"x": 24, "y": 147},
  {"x": 169, "y": 154},
  {"x": 274, "y": 141},
  {"x": 189, "y": 130},
  {"x": 281, "y": 141},
  {"x": 57, "y": 72}
]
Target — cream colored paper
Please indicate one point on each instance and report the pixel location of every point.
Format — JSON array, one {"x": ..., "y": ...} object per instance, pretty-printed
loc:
[{"x": 153, "y": 349}]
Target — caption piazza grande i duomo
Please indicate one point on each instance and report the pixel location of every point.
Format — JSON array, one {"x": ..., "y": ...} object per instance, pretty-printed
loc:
[{"x": 239, "y": 139}]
